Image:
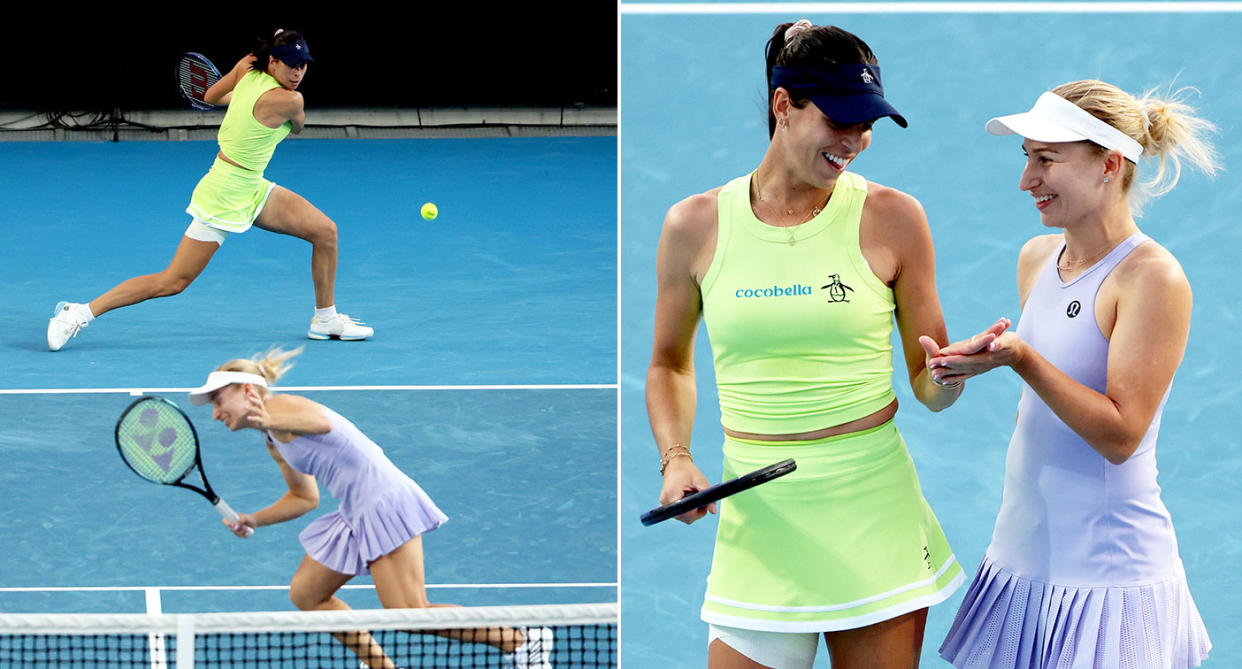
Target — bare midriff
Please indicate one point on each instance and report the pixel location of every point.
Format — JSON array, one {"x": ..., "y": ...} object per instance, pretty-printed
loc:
[
  {"x": 221, "y": 156},
  {"x": 858, "y": 425}
]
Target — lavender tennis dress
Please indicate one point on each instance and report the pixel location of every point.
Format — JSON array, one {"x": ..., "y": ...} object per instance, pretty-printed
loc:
[
  {"x": 381, "y": 508},
  {"x": 1083, "y": 570}
]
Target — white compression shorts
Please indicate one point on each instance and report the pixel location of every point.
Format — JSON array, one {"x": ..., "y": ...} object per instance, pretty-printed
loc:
[
  {"x": 795, "y": 650},
  {"x": 205, "y": 233}
]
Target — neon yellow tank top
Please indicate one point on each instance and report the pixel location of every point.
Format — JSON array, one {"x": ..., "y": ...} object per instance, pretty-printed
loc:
[
  {"x": 800, "y": 326},
  {"x": 243, "y": 139}
]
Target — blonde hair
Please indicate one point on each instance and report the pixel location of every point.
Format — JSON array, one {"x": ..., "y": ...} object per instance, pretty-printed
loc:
[
  {"x": 1165, "y": 126},
  {"x": 271, "y": 365}
]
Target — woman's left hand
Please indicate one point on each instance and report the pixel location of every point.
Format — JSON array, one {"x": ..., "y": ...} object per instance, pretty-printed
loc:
[
  {"x": 256, "y": 411},
  {"x": 972, "y": 346}
]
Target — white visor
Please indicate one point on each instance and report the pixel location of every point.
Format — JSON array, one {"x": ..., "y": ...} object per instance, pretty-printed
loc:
[
  {"x": 1055, "y": 119},
  {"x": 217, "y": 380}
]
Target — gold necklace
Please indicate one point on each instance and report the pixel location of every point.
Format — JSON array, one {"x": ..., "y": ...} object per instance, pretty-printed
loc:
[
  {"x": 790, "y": 212},
  {"x": 1071, "y": 264}
]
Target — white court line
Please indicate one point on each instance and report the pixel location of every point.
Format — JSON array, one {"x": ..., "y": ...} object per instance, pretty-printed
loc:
[
  {"x": 361, "y": 586},
  {"x": 155, "y": 641},
  {"x": 928, "y": 7},
  {"x": 141, "y": 391}
]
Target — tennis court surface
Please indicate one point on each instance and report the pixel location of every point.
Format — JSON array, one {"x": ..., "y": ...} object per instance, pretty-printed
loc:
[{"x": 491, "y": 378}]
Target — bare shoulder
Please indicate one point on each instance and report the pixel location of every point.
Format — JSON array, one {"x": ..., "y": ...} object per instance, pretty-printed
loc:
[
  {"x": 1038, "y": 249},
  {"x": 283, "y": 98},
  {"x": 293, "y": 403},
  {"x": 1034, "y": 255},
  {"x": 694, "y": 214},
  {"x": 688, "y": 239},
  {"x": 1151, "y": 269},
  {"x": 894, "y": 207},
  {"x": 690, "y": 225}
]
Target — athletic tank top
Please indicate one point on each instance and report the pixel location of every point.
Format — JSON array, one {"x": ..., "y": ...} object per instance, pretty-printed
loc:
[
  {"x": 800, "y": 326},
  {"x": 243, "y": 139},
  {"x": 1068, "y": 516}
]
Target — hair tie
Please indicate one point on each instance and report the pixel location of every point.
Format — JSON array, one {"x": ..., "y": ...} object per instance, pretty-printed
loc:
[{"x": 796, "y": 29}]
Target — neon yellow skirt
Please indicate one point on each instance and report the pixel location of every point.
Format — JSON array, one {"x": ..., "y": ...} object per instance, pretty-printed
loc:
[
  {"x": 845, "y": 541},
  {"x": 229, "y": 198}
]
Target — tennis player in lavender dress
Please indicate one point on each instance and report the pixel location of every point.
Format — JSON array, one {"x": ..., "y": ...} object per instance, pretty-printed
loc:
[
  {"x": 382, "y": 516},
  {"x": 1083, "y": 570}
]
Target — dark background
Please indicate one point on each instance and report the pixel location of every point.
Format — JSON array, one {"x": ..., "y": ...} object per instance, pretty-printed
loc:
[{"x": 390, "y": 55}]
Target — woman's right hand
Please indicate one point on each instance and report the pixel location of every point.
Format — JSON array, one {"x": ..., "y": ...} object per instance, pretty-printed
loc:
[
  {"x": 243, "y": 526},
  {"x": 936, "y": 357},
  {"x": 682, "y": 478},
  {"x": 1006, "y": 350}
]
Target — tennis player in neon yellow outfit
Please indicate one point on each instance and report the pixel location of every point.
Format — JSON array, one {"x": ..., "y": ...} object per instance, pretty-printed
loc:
[
  {"x": 263, "y": 108},
  {"x": 798, "y": 270}
]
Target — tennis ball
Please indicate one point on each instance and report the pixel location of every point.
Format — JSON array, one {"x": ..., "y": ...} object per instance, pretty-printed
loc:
[{"x": 429, "y": 211}]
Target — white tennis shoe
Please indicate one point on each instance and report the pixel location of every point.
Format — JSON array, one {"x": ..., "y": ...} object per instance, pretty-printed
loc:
[
  {"x": 338, "y": 327},
  {"x": 535, "y": 653},
  {"x": 65, "y": 324}
]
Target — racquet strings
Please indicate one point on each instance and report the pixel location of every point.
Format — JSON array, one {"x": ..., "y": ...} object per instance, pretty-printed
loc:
[
  {"x": 195, "y": 75},
  {"x": 156, "y": 441}
]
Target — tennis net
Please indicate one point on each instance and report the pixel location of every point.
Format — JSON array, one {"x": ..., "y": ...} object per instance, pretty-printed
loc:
[{"x": 546, "y": 636}]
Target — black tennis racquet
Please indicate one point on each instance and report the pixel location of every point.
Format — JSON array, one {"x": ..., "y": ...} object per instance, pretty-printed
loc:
[
  {"x": 195, "y": 74},
  {"x": 159, "y": 443},
  {"x": 718, "y": 492}
]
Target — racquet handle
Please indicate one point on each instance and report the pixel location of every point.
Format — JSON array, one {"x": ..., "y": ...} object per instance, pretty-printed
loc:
[{"x": 228, "y": 512}]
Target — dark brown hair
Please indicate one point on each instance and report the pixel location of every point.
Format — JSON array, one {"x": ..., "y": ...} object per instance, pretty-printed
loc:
[
  {"x": 816, "y": 46},
  {"x": 262, "y": 53}
]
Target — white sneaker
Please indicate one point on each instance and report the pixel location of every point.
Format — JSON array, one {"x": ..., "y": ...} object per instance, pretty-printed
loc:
[
  {"x": 65, "y": 324},
  {"x": 535, "y": 653},
  {"x": 339, "y": 327}
]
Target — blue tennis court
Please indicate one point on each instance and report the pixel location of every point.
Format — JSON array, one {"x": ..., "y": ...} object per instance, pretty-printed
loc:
[
  {"x": 491, "y": 378},
  {"x": 693, "y": 117}
]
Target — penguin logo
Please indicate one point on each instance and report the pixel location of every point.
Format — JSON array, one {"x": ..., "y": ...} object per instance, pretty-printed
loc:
[
  {"x": 1073, "y": 309},
  {"x": 836, "y": 289}
]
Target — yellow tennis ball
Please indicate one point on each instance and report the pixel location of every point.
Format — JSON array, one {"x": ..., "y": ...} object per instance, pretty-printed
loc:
[{"x": 429, "y": 211}]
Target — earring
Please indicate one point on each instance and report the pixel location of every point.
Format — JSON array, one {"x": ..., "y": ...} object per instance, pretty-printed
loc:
[{"x": 1105, "y": 179}]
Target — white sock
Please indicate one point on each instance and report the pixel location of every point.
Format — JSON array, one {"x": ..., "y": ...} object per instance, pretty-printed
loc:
[
  {"x": 326, "y": 313},
  {"x": 84, "y": 310}
]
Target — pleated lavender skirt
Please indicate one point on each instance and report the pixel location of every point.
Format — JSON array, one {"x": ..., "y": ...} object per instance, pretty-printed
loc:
[
  {"x": 1008, "y": 621},
  {"x": 349, "y": 544}
]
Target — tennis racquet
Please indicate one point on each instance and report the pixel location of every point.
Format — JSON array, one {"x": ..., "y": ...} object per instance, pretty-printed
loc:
[
  {"x": 195, "y": 74},
  {"x": 718, "y": 492},
  {"x": 159, "y": 443}
]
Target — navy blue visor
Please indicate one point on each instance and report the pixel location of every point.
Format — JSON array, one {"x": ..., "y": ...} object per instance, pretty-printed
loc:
[
  {"x": 292, "y": 54},
  {"x": 847, "y": 93}
]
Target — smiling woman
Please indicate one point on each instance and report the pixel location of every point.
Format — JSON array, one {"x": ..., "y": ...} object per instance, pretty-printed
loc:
[
  {"x": 799, "y": 270},
  {"x": 1083, "y": 568}
]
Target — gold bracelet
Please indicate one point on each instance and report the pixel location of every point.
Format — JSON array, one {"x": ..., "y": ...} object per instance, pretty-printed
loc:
[{"x": 674, "y": 451}]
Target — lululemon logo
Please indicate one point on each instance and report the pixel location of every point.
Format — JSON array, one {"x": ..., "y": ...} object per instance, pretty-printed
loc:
[{"x": 1073, "y": 309}]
